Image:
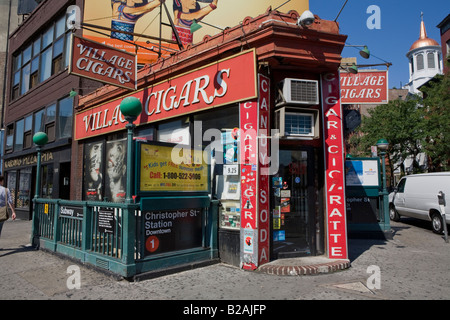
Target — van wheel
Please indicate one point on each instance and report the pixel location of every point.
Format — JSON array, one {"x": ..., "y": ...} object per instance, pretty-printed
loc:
[
  {"x": 436, "y": 223},
  {"x": 393, "y": 214}
]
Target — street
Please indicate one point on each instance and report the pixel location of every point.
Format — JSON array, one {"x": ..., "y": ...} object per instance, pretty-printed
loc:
[{"x": 414, "y": 265}]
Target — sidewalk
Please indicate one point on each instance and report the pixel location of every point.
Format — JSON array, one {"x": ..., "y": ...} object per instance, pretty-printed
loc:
[{"x": 414, "y": 265}]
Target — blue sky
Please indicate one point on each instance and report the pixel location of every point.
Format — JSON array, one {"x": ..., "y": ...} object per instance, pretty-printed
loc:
[{"x": 400, "y": 27}]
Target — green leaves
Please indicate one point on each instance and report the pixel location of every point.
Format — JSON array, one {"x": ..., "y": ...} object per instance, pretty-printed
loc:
[{"x": 411, "y": 126}]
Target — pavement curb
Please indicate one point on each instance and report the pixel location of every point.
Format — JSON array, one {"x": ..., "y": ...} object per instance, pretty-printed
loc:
[{"x": 299, "y": 270}]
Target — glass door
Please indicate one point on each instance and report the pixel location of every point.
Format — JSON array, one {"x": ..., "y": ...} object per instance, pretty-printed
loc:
[{"x": 293, "y": 206}]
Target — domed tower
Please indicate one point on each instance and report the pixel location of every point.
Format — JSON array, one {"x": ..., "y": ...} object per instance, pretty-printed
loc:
[{"x": 425, "y": 60}]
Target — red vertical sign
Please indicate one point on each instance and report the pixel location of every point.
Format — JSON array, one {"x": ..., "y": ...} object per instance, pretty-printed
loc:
[
  {"x": 263, "y": 172},
  {"x": 334, "y": 167},
  {"x": 248, "y": 114},
  {"x": 254, "y": 132}
]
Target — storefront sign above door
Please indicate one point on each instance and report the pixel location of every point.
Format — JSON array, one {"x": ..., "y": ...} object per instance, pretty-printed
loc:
[
  {"x": 365, "y": 87},
  {"x": 221, "y": 83},
  {"x": 103, "y": 63}
]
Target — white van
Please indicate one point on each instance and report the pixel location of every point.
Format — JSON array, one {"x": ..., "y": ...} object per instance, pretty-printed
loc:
[{"x": 416, "y": 196}]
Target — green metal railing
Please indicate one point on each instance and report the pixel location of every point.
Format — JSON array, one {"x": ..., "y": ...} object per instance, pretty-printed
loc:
[{"x": 118, "y": 247}]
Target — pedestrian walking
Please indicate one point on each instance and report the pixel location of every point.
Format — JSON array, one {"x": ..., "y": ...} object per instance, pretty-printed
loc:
[{"x": 5, "y": 199}]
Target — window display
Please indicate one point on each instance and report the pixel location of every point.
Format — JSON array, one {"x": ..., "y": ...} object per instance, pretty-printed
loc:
[
  {"x": 23, "y": 199},
  {"x": 11, "y": 185}
]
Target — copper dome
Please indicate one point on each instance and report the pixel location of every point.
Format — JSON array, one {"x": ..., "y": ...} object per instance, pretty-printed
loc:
[{"x": 423, "y": 41}]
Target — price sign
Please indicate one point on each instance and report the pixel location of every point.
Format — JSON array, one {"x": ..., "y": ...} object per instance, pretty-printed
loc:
[{"x": 231, "y": 170}]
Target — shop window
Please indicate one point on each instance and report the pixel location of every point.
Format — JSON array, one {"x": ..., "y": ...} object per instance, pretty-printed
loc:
[
  {"x": 146, "y": 134},
  {"x": 225, "y": 172},
  {"x": 104, "y": 170},
  {"x": 24, "y": 194},
  {"x": 18, "y": 139},
  {"x": 11, "y": 185},
  {"x": 47, "y": 181},
  {"x": 175, "y": 132},
  {"x": 9, "y": 137},
  {"x": 93, "y": 165}
]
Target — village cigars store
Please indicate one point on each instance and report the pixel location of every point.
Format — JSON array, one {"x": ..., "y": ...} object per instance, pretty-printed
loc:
[{"x": 262, "y": 101}]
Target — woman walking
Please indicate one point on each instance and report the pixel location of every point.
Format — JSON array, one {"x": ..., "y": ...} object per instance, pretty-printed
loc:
[{"x": 5, "y": 199}]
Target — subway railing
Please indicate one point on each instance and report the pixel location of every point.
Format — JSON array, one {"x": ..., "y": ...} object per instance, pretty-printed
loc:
[{"x": 109, "y": 235}]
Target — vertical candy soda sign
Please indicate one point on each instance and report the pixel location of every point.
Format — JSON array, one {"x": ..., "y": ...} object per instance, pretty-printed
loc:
[{"x": 254, "y": 124}]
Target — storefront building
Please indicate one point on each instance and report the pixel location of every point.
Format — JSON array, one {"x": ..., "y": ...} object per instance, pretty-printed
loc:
[
  {"x": 267, "y": 93},
  {"x": 38, "y": 99}
]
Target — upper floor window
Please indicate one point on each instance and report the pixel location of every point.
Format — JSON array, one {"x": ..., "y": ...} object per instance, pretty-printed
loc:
[
  {"x": 47, "y": 54},
  {"x": 55, "y": 120}
]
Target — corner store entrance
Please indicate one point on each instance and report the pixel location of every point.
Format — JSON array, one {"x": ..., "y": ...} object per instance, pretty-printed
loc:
[{"x": 293, "y": 206}]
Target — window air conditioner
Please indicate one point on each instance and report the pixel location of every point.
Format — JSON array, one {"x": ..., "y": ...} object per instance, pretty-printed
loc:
[
  {"x": 298, "y": 91},
  {"x": 297, "y": 123}
]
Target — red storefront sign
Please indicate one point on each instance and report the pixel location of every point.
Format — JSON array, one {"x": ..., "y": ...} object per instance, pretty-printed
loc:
[
  {"x": 254, "y": 132},
  {"x": 248, "y": 114},
  {"x": 221, "y": 83},
  {"x": 365, "y": 87},
  {"x": 103, "y": 63},
  {"x": 334, "y": 167},
  {"x": 263, "y": 172}
]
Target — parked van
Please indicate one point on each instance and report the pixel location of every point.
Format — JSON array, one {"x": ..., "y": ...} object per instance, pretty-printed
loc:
[{"x": 416, "y": 196}]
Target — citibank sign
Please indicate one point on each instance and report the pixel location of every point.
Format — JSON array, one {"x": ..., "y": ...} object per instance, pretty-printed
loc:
[{"x": 218, "y": 84}]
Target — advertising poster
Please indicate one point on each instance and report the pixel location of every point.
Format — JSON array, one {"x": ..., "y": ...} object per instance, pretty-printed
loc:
[
  {"x": 140, "y": 21},
  {"x": 159, "y": 173},
  {"x": 362, "y": 173},
  {"x": 116, "y": 170},
  {"x": 93, "y": 171}
]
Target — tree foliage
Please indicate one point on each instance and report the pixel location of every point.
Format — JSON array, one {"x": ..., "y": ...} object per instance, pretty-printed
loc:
[
  {"x": 436, "y": 118},
  {"x": 411, "y": 126}
]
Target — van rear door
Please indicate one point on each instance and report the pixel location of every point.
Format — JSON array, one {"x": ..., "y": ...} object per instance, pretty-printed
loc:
[{"x": 399, "y": 198}]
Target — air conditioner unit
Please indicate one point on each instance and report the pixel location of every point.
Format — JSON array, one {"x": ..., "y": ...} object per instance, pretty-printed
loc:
[
  {"x": 298, "y": 91},
  {"x": 297, "y": 123}
]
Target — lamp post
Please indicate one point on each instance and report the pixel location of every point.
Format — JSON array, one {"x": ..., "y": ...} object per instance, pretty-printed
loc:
[
  {"x": 40, "y": 139},
  {"x": 383, "y": 145},
  {"x": 131, "y": 108}
]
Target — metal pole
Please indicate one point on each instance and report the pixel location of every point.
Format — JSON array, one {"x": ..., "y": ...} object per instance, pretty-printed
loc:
[
  {"x": 37, "y": 192},
  {"x": 35, "y": 224},
  {"x": 385, "y": 194},
  {"x": 130, "y": 168}
]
